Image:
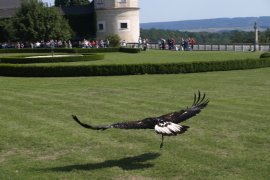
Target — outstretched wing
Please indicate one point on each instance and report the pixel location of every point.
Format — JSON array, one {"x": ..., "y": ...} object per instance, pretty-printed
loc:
[
  {"x": 147, "y": 123},
  {"x": 179, "y": 116}
]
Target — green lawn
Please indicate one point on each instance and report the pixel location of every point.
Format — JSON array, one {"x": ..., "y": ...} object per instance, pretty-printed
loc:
[
  {"x": 228, "y": 140},
  {"x": 158, "y": 56}
]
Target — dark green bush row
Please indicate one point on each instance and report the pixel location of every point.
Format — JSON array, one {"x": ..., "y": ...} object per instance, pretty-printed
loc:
[
  {"x": 265, "y": 55},
  {"x": 37, "y": 50},
  {"x": 128, "y": 69},
  {"x": 130, "y": 50},
  {"x": 74, "y": 50},
  {"x": 23, "y": 60}
]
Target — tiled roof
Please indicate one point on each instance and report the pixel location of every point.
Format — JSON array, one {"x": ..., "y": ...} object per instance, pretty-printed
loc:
[
  {"x": 10, "y": 4},
  {"x": 5, "y": 13},
  {"x": 77, "y": 10},
  {"x": 9, "y": 12}
]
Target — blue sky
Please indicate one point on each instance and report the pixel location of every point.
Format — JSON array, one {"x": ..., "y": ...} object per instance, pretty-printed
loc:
[{"x": 174, "y": 10}]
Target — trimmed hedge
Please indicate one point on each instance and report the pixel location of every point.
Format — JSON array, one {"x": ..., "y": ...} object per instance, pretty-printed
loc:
[
  {"x": 73, "y": 58},
  {"x": 37, "y": 50},
  {"x": 265, "y": 55},
  {"x": 73, "y": 50},
  {"x": 130, "y": 50},
  {"x": 128, "y": 69}
]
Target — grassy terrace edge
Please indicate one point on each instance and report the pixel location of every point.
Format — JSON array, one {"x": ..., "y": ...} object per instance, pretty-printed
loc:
[{"x": 65, "y": 70}]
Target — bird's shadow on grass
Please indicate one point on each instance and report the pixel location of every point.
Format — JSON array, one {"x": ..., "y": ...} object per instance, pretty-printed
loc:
[{"x": 128, "y": 163}]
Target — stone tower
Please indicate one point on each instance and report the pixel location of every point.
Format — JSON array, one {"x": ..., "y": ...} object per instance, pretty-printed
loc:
[{"x": 118, "y": 17}]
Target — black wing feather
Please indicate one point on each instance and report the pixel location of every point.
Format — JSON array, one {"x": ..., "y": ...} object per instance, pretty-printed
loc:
[
  {"x": 149, "y": 123},
  {"x": 89, "y": 126},
  {"x": 179, "y": 116}
]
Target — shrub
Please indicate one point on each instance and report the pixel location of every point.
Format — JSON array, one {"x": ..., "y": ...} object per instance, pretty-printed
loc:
[
  {"x": 265, "y": 55},
  {"x": 74, "y": 58},
  {"x": 114, "y": 40},
  {"x": 73, "y": 50},
  {"x": 127, "y": 69},
  {"x": 37, "y": 50},
  {"x": 130, "y": 50}
]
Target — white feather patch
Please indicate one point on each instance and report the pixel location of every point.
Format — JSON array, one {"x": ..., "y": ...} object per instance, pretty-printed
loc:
[
  {"x": 174, "y": 127},
  {"x": 168, "y": 128}
]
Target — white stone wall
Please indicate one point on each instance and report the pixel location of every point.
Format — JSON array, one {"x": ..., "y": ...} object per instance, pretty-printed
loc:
[{"x": 116, "y": 17}]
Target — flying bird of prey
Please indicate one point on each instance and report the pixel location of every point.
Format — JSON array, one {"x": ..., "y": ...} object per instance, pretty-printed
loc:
[{"x": 166, "y": 125}]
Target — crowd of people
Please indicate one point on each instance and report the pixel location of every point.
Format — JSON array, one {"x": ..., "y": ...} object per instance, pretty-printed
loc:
[
  {"x": 38, "y": 44},
  {"x": 186, "y": 44},
  {"x": 57, "y": 44},
  {"x": 94, "y": 44},
  {"x": 170, "y": 44}
]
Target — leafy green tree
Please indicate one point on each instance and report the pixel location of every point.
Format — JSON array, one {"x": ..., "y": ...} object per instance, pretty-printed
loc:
[
  {"x": 114, "y": 40},
  {"x": 59, "y": 3},
  {"x": 6, "y": 30},
  {"x": 267, "y": 35},
  {"x": 264, "y": 36},
  {"x": 35, "y": 22}
]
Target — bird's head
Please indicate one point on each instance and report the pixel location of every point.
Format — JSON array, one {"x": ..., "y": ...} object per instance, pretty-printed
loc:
[{"x": 161, "y": 121}]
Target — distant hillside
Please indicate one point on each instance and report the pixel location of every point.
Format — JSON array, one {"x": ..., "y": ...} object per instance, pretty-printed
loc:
[{"x": 212, "y": 25}]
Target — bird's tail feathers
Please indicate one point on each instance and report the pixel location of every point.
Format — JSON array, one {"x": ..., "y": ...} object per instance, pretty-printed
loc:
[{"x": 89, "y": 126}]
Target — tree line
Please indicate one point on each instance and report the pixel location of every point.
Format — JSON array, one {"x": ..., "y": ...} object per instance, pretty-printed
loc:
[{"x": 226, "y": 37}]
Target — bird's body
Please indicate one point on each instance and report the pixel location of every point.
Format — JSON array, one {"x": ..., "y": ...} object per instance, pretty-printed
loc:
[
  {"x": 170, "y": 129},
  {"x": 166, "y": 125}
]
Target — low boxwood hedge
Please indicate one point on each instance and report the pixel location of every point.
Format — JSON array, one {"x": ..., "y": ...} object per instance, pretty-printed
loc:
[
  {"x": 73, "y": 50},
  {"x": 127, "y": 69},
  {"x": 265, "y": 55},
  {"x": 53, "y": 59},
  {"x": 129, "y": 50},
  {"x": 37, "y": 50}
]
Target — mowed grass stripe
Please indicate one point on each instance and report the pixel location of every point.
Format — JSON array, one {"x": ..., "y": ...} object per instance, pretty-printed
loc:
[{"x": 230, "y": 138}]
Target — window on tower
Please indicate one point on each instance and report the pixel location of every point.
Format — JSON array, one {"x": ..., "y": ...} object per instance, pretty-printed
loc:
[
  {"x": 101, "y": 26},
  {"x": 122, "y": 1},
  {"x": 123, "y": 25}
]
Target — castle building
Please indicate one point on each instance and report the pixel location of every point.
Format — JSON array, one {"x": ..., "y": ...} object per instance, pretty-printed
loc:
[
  {"x": 8, "y": 8},
  {"x": 119, "y": 17}
]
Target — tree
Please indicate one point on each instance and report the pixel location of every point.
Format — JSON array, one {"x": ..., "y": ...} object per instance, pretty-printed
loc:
[
  {"x": 264, "y": 36},
  {"x": 34, "y": 21},
  {"x": 59, "y": 3},
  {"x": 114, "y": 40},
  {"x": 6, "y": 30}
]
